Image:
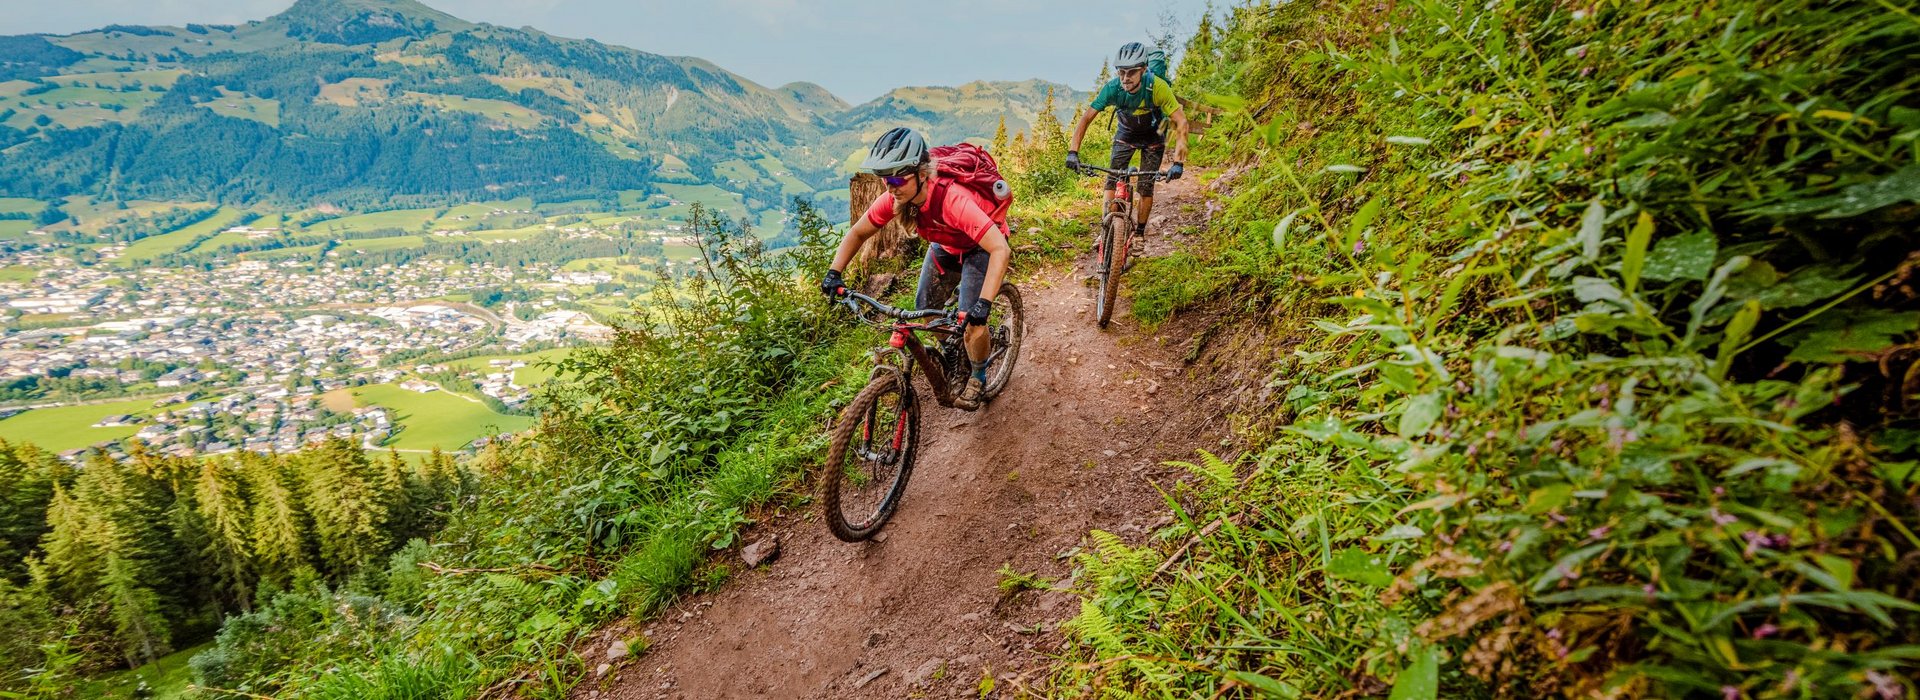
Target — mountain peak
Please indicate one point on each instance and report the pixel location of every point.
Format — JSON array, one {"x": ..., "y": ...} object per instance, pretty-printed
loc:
[{"x": 362, "y": 21}]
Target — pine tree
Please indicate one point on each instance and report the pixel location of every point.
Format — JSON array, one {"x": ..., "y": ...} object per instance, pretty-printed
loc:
[
  {"x": 28, "y": 476},
  {"x": 1106, "y": 74},
  {"x": 278, "y": 536},
  {"x": 138, "y": 618},
  {"x": 223, "y": 509},
  {"x": 112, "y": 538},
  {"x": 999, "y": 145},
  {"x": 349, "y": 510},
  {"x": 1047, "y": 132}
]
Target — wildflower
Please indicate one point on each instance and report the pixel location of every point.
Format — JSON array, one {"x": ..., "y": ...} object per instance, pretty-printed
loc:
[
  {"x": 1765, "y": 631},
  {"x": 1884, "y": 685},
  {"x": 1588, "y": 150},
  {"x": 1505, "y": 546},
  {"x": 1599, "y": 532},
  {"x": 1649, "y": 590},
  {"x": 1720, "y": 518},
  {"x": 1359, "y": 246},
  {"x": 1557, "y": 517},
  {"x": 1728, "y": 692}
]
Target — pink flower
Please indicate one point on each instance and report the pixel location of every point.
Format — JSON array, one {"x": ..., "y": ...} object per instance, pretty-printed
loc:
[
  {"x": 1720, "y": 518},
  {"x": 1599, "y": 532},
  {"x": 1359, "y": 246},
  {"x": 1765, "y": 631},
  {"x": 1729, "y": 692}
]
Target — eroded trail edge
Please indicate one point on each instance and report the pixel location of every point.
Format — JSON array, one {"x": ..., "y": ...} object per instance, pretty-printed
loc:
[{"x": 1075, "y": 443}]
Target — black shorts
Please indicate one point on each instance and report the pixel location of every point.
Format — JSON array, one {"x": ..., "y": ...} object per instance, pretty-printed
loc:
[
  {"x": 1149, "y": 160},
  {"x": 942, "y": 272}
]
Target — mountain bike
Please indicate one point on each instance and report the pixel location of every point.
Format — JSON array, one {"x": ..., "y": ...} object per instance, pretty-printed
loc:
[
  {"x": 873, "y": 443},
  {"x": 1116, "y": 236}
]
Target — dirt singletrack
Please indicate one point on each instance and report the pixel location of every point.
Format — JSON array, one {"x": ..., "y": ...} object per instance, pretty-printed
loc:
[{"x": 1076, "y": 442}]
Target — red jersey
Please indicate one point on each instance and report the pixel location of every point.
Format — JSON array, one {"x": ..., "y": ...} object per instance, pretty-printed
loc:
[{"x": 953, "y": 217}]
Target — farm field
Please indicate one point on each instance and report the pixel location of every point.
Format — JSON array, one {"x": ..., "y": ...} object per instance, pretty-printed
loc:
[
  {"x": 67, "y": 427},
  {"x": 156, "y": 246},
  {"x": 11, "y": 229},
  {"x": 403, "y": 219},
  {"x": 437, "y": 419},
  {"x": 531, "y": 375}
]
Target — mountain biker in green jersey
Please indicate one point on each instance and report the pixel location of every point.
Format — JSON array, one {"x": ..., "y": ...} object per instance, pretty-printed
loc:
[
  {"x": 969, "y": 252},
  {"x": 1140, "y": 101}
]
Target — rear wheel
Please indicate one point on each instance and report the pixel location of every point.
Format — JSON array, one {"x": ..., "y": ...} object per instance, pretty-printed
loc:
[
  {"x": 1113, "y": 256},
  {"x": 870, "y": 458},
  {"x": 1008, "y": 329}
]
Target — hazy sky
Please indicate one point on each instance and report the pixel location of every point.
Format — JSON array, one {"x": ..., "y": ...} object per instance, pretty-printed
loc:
[{"x": 856, "y": 48}]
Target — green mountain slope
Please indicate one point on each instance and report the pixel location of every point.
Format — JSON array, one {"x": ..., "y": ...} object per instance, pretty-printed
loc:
[{"x": 379, "y": 103}]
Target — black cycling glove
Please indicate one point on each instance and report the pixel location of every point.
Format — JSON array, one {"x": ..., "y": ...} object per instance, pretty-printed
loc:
[
  {"x": 1173, "y": 173},
  {"x": 978, "y": 313},
  {"x": 1073, "y": 160},
  {"x": 833, "y": 285}
]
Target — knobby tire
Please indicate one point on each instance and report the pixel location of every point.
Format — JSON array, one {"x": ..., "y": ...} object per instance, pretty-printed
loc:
[
  {"x": 1113, "y": 256},
  {"x": 848, "y": 434}
]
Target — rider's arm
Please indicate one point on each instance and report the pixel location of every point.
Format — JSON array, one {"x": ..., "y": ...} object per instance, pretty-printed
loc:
[
  {"x": 862, "y": 229},
  {"x": 998, "y": 255}
]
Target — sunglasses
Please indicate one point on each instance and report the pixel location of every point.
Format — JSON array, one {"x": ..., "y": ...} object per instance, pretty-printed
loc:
[
  {"x": 894, "y": 180},
  {"x": 1132, "y": 72}
]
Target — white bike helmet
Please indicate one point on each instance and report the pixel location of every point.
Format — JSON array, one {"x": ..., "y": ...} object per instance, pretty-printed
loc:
[
  {"x": 898, "y": 151},
  {"x": 1132, "y": 55}
]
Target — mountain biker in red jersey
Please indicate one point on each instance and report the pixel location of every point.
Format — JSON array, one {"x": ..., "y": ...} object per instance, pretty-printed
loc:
[
  {"x": 969, "y": 251},
  {"x": 1139, "y": 99}
]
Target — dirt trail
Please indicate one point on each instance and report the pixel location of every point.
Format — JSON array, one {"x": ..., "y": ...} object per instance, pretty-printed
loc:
[{"x": 1073, "y": 444}]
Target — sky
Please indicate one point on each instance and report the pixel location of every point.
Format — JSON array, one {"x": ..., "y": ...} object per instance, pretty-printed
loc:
[{"x": 858, "y": 49}]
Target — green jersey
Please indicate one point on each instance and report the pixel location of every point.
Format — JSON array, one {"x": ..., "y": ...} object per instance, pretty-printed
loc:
[{"x": 1139, "y": 112}]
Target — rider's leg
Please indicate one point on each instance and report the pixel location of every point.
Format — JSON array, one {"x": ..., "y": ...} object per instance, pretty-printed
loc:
[
  {"x": 979, "y": 342},
  {"x": 939, "y": 272},
  {"x": 1149, "y": 160},
  {"x": 973, "y": 274}
]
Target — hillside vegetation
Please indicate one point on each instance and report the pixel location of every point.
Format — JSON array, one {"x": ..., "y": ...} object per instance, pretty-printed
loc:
[{"x": 1585, "y": 344}]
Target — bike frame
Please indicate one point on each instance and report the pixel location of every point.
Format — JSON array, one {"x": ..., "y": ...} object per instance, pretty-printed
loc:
[{"x": 906, "y": 343}]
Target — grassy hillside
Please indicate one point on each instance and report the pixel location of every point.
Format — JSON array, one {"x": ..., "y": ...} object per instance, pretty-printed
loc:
[{"x": 1582, "y": 338}]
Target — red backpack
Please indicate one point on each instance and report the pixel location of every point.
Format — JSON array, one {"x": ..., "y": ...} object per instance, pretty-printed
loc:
[{"x": 972, "y": 167}]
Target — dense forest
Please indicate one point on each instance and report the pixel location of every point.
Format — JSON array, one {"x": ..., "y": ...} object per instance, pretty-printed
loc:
[{"x": 116, "y": 563}]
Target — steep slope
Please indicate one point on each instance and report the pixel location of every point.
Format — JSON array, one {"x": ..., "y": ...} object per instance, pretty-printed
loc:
[{"x": 1076, "y": 443}]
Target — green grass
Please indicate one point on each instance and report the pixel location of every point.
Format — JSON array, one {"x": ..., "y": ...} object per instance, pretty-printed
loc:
[
  {"x": 155, "y": 246},
  {"x": 377, "y": 244},
  {"x": 10, "y": 230},
  {"x": 497, "y": 110},
  {"x": 21, "y": 205},
  {"x": 779, "y": 172},
  {"x": 729, "y": 203},
  {"x": 737, "y": 169},
  {"x": 17, "y": 273},
  {"x": 240, "y": 105},
  {"x": 65, "y": 106},
  {"x": 437, "y": 419},
  {"x": 67, "y": 427},
  {"x": 168, "y": 678},
  {"x": 165, "y": 77},
  {"x": 531, "y": 375},
  {"x": 404, "y": 219}
]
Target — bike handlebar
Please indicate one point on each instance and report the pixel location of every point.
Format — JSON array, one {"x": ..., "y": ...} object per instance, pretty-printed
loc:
[
  {"x": 854, "y": 300},
  {"x": 1086, "y": 169}
]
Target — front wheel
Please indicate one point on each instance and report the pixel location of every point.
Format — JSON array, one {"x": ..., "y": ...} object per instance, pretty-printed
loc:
[
  {"x": 870, "y": 458},
  {"x": 1116, "y": 233},
  {"x": 1009, "y": 328}
]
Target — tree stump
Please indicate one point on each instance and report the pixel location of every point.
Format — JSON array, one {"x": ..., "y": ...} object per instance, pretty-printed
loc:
[{"x": 893, "y": 241}]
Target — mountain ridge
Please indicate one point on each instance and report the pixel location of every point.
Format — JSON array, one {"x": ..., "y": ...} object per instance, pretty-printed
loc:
[{"x": 399, "y": 72}]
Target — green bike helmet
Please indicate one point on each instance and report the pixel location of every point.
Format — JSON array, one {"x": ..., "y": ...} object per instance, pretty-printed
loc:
[
  {"x": 1132, "y": 55},
  {"x": 898, "y": 151}
]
